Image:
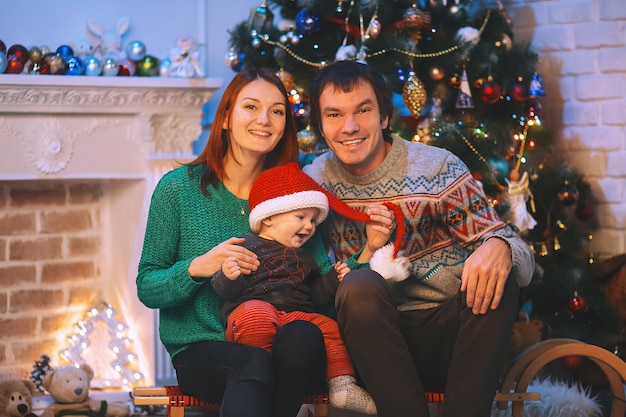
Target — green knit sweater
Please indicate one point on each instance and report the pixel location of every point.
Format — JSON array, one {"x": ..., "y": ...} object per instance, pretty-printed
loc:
[{"x": 183, "y": 223}]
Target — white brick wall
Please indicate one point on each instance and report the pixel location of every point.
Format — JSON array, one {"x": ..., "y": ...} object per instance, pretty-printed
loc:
[{"x": 582, "y": 49}]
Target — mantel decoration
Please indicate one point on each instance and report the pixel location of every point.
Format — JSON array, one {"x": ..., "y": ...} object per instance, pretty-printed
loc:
[
  {"x": 102, "y": 53},
  {"x": 100, "y": 340}
]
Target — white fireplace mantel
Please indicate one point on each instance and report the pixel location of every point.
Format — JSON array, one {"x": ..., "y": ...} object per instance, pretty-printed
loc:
[
  {"x": 124, "y": 133},
  {"x": 54, "y": 126}
]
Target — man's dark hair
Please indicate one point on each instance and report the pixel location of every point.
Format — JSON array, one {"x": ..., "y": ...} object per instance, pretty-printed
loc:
[{"x": 345, "y": 76}]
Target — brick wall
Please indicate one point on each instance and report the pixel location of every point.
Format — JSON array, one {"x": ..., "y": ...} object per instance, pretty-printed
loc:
[
  {"x": 582, "y": 49},
  {"x": 50, "y": 253}
]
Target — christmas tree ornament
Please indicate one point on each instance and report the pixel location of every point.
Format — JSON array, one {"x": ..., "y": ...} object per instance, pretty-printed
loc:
[
  {"x": 164, "y": 67},
  {"x": 301, "y": 110},
  {"x": 35, "y": 54},
  {"x": 52, "y": 63},
  {"x": 125, "y": 67},
  {"x": 414, "y": 21},
  {"x": 306, "y": 140},
  {"x": 14, "y": 65},
  {"x": 536, "y": 87},
  {"x": 19, "y": 51},
  {"x": 568, "y": 194},
  {"x": 577, "y": 304},
  {"x": 135, "y": 51},
  {"x": 518, "y": 90},
  {"x": 109, "y": 67},
  {"x": 584, "y": 212},
  {"x": 74, "y": 66},
  {"x": 414, "y": 94},
  {"x": 517, "y": 195},
  {"x": 3, "y": 62},
  {"x": 464, "y": 96},
  {"x": 436, "y": 72},
  {"x": 232, "y": 58},
  {"x": 148, "y": 66},
  {"x": 34, "y": 68},
  {"x": 491, "y": 91},
  {"x": 373, "y": 29},
  {"x": 307, "y": 23},
  {"x": 261, "y": 18},
  {"x": 505, "y": 42},
  {"x": 65, "y": 51},
  {"x": 93, "y": 66},
  {"x": 287, "y": 79}
]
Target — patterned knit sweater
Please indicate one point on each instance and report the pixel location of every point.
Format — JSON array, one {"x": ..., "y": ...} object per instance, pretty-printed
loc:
[{"x": 447, "y": 217}]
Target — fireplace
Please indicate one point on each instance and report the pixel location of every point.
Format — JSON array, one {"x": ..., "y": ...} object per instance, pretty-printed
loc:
[{"x": 84, "y": 152}]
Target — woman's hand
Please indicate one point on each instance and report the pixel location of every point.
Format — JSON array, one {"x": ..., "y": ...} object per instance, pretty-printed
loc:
[
  {"x": 378, "y": 230},
  {"x": 204, "y": 266}
]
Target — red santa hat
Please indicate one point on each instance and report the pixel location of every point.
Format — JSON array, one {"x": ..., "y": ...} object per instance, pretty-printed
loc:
[{"x": 286, "y": 188}]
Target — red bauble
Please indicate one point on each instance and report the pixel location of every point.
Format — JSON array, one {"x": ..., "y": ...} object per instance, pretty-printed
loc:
[
  {"x": 571, "y": 363},
  {"x": 584, "y": 212},
  {"x": 19, "y": 51},
  {"x": 14, "y": 65},
  {"x": 577, "y": 304},
  {"x": 490, "y": 92},
  {"x": 518, "y": 92},
  {"x": 52, "y": 63}
]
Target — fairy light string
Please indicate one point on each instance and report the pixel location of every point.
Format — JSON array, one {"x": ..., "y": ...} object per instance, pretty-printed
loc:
[{"x": 321, "y": 64}]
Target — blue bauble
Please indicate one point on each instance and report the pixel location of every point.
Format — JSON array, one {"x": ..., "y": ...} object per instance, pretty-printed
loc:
[
  {"x": 74, "y": 66},
  {"x": 237, "y": 67},
  {"x": 306, "y": 23},
  {"x": 135, "y": 51},
  {"x": 3, "y": 62},
  {"x": 65, "y": 51},
  {"x": 93, "y": 66}
]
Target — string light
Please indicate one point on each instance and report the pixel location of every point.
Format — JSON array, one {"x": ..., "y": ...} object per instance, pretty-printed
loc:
[{"x": 114, "y": 339}]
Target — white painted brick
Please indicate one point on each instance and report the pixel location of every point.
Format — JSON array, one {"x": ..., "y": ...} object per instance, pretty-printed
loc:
[
  {"x": 599, "y": 34},
  {"x": 553, "y": 38},
  {"x": 570, "y": 11},
  {"x": 611, "y": 190},
  {"x": 599, "y": 87},
  {"x": 616, "y": 164},
  {"x": 612, "y": 9},
  {"x": 612, "y": 60},
  {"x": 579, "y": 62},
  {"x": 613, "y": 111},
  {"x": 594, "y": 138},
  {"x": 580, "y": 114}
]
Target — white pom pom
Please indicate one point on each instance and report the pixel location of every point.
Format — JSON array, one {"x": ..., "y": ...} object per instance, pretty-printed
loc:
[
  {"x": 393, "y": 270},
  {"x": 467, "y": 33}
]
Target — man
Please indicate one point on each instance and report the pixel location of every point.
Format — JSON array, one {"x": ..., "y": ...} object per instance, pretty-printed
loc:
[{"x": 448, "y": 326}]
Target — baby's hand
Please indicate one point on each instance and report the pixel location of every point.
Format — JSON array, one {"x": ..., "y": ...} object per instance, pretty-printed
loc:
[
  {"x": 342, "y": 269},
  {"x": 230, "y": 268}
]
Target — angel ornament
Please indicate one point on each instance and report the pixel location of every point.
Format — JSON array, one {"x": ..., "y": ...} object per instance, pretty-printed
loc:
[
  {"x": 518, "y": 193},
  {"x": 185, "y": 59}
]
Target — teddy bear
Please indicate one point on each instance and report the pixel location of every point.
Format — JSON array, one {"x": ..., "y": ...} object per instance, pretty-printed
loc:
[
  {"x": 16, "y": 398},
  {"x": 69, "y": 388}
]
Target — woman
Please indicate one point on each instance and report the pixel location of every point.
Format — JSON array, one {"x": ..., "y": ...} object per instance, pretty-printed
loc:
[{"x": 196, "y": 211}]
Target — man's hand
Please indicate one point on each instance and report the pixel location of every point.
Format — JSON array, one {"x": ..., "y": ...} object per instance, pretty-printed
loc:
[{"x": 484, "y": 274}]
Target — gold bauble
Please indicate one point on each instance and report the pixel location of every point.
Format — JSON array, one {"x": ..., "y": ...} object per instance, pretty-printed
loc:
[
  {"x": 414, "y": 94},
  {"x": 306, "y": 140},
  {"x": 436, "y": 73}
]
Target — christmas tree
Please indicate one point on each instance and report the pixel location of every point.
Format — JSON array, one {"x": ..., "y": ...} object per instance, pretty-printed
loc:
[{"x": 461, "y": 81}]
